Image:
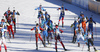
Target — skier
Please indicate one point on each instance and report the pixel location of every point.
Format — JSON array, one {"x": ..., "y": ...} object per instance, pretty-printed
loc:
[
  {"x": 80, "y": 34},
  {"x": 2, "y": 38},
  {"x": 8, "y": 12},
  {"x": 56, "y": 32},
  {"x": 84, "y": 24},
  {"x": 75, "y": 24},
  {"x": 90, "y": 25},
  {"x": 42, "y": 21},
  {"x": 4, "y": 25},
  {"x": 9, "y": 20},
  {"x": 40, "y": 8},
  {"x": 50, "y": 24},
  {"x": 45, "y": 33},
  {"x": 82, "y": 20},
  {"x": 40, "y": 13},
  {"x": 47, "y": 16},
  {"x": 62, "y": 14},
  {"x": 14, "y": 19},
  {"x": 90, "y": 40},
  {"x": 37, "y": 35}
]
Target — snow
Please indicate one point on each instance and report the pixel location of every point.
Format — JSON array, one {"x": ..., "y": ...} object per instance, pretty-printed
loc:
[{"x": 27, "y": 19}]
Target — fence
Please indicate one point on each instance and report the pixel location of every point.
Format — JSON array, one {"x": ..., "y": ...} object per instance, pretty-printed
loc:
[{"x": 86, "y": 4}]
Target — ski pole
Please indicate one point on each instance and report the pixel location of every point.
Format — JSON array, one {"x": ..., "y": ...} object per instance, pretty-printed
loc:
[
  {"x": 8, "y": 37},
  {"x": 31, "y": 36},
  {"x": 95, "y": 31},
  {"x": 82, "y": 47},
  {"x": 62, "y": 36}
]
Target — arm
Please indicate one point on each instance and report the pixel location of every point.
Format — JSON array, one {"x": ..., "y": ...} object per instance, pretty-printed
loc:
[
  {"x": 94, "y": 22},
  {"x": 36, "y": 8},
  {"x": 58, "y": 8},
  {"x": 43, "y": 9},
  {"x": 41, "y": 29},
  {"x": 61, "y": 30},
  {"x": 32, "y": 29},
  {"x": 65, "y": 9},
  {"x": 87, "y": 21},
  {"x": 18, "y": 13},
  {"x": 5, "y": 14}
]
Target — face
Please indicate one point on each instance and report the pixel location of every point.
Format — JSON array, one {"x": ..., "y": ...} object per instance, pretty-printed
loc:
[
  {"x": 82, "y": 15},
  {"x": 2, "y": 20},
  {"x": 8, "y": 11},
  {"x": 37, "y": 25},
  {"x": 56, "y": 26},
  {"x": 78, "y": 26}
]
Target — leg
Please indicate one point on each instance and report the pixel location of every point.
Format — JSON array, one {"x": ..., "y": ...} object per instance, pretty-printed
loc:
[
  {"x": 59, "y": 19},
  {"x": 78, "y": 37},
  {"x": 36, "y": 41},
  {"x": 62, "y": 44},
  {"x": 9, "y": 31},
  {"x": 92, "y": 31},
  {"x": 91, "y": 41},
  {"x": 14, "y": 21},
  {"x": 47, "y": 36},
  {"x": 12, "y": 30},
  {"x": 56, "y": 43},
  {"x": 5, "y": 45},
  {"x": 74, "y": 37},
  {"x": 88, "y": 45},
  {"x": 44, "y": 38},
  {"x": 41, "y": 40},
  {"x": 62, "y": 21},
  {"x": 0, "y": 44}
]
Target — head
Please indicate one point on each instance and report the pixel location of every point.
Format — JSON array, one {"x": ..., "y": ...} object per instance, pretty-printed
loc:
[
  {"x": 40, "y": 5},
  {"x": 13, "y": 10},
  {"x": 90, "y": 18},
  {"x": 56, "y": 26},
  {"x": 2, "y": 20},
  {"x": 37, "y": 25},
  {"x": 78, "y": 25},
  {"x": 8, "y": 11},
  {"x": 82, "y": 15},
  {"x": 46, "y": 12}
]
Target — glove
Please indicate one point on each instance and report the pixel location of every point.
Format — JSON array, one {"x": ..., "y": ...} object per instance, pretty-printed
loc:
[
  {"x": 61, "y": 32},
  {"x": 66, "y": 9},
  {"x": 31, "y": 29}
]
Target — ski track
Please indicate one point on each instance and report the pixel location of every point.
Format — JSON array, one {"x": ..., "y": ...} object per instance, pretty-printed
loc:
[{"x": 27, "y": 19}]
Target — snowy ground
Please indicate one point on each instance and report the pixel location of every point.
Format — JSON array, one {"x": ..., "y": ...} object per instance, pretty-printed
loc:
[{"x": 27, "y": 19}]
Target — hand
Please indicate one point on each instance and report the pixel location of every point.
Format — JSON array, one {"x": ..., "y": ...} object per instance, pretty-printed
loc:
[{"x": 31, "y": 29}]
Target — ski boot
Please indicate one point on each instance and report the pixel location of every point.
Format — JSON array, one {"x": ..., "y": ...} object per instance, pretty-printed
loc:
[
  {"x": 9, "y": 35},
  {"x": 56, "y": 50},
  {"x": 13, "y": 37},
  {"x": 65, "y": 49},
  {"x": 36, "y": 48},
  {"x": 5, "y": 50},
  {"x": 62, "y": 25},
  {"x": 78, "y": 44},
  {"x": 95, "y": 49},
  {"x": 89, "y": 49}
]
